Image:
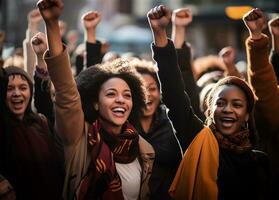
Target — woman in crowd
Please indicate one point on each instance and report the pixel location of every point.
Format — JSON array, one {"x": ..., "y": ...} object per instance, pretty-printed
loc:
[
  {"x": 155, "y": 126},
  {"x": 29, "y": 157},
  {"x": 220, "y": 163},
  {"x": 105, "y": 157}
]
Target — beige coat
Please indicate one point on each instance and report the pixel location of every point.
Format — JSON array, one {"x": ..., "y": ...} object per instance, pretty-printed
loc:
[{"x": 71, "y": 126}]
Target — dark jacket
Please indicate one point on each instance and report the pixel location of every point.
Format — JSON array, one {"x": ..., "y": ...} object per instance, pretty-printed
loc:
[
  {"x": 185, "y": 122},
  {"x": 243, "y": 176},
  {"x": 42, "y": 97},
  {"x": 163, "y": 139},
  {"x": 34, "y": 165},
  {"x": 184, "y": 57}
]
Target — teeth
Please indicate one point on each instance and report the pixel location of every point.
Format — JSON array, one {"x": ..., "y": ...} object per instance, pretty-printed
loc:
[
  {"x": 118, "y": 110},
  {"x": 228, "y": 119},
  {"x": 17, "y": 101}
]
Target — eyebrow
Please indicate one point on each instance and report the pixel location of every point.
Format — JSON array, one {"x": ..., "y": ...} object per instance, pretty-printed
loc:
[
  {"x": 126, "y": 90},
  {"x": 223, "y": 99}
]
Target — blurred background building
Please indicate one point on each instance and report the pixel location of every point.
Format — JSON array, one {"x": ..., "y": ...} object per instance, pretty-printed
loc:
[{"x": 125, "y": 26}]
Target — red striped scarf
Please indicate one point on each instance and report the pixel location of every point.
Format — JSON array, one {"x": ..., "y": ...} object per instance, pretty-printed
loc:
[{"x": 102, "y": 180}]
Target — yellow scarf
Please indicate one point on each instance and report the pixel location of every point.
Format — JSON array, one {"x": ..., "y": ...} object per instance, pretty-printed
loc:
[{"x": 196, "y": 177}]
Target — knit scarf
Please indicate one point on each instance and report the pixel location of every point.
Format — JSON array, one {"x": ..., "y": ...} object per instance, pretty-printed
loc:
[
  {"x": 238, "y": 142},
  {"x": 196, "y": 177},
  {"x": 102, "y": 180}
]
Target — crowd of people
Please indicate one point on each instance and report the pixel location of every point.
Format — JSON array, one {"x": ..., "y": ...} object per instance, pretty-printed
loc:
[{"x": 80, "y": 122}]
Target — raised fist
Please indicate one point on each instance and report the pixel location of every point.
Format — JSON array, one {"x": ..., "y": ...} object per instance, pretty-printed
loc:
[
  {"x": 34, "y": 17},
  {"x": 227, "y": 54},
  {"x": 50, "y": 9},
  {"x": 39, "y": 44},
  {"x": 182, "y": 17},
  {"x": 159, "y": 17},
  {"x": 91, "y": 19},
  {"x": 255, "y": 21}
]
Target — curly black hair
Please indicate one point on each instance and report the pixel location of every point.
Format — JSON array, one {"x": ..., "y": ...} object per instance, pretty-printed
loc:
[{"x": 90, "y": 81}]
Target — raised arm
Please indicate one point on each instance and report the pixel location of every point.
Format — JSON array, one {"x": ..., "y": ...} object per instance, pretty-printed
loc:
[
  {"x": 34, "y": 18},
  {"x": 261, "y": 75},
  {"x": 273, "y": 25},
  {"x": 42, "y": 95},
  {"x": 93, "y": 47},
  {"x": 176, "y": 99},
  {"x": 227, "y": 55},
  {"x": 181, "y": 19},
  {"x": 69, "y": 119}
]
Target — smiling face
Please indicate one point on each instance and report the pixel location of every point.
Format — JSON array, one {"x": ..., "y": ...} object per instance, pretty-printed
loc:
[
  {"x": 114, "y": 104},
  {"x": 153, "y": 95},
  {"x": 229, "y": 109},
  {"x": 18, "y": 95}
]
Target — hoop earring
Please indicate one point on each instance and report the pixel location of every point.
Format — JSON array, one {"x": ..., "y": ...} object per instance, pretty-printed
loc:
[{"x": 96, "y": 106}]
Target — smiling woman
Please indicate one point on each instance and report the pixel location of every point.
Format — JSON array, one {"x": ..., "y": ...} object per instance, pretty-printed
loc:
[
  {"x": 105, "y": 156},
  {"x": 224, "y": 149},
  {"x": 27, "y": 144},
  {"x": 221, "y": 162}
]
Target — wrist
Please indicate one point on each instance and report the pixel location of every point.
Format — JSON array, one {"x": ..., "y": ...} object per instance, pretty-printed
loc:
[
  {"x": 90, "y": 36},
  {"x": 160, "y": 39},
  {"x": 39, "y": 60},
  {"x": 41, "y": 72},
  {"x": 256, "y": 35},
  {"x": 52, "y": 23},
  {"x": 33, "y": 26}
]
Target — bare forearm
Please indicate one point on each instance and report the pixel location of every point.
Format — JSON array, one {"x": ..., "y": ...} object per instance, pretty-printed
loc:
[
  {"x": 178, "y": 36},
  {"x": 160, "y": 38},
  {"x": 90, "y": 35},
  {"x": 54, "y": 38}
]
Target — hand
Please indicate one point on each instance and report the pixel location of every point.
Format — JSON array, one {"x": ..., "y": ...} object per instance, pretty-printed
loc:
[
  {"x": 159, "y": 18},
  {"x": 34, "y": 17},
  {"x": 39, "y": 44},
  {"x": 50, "y": 9},
  {"x": 182, "y": 17},
  {"x": 274, "y": 26},
  {"x": 227, "y": 54},
  {"x": 91, "y": 19},
  {"x": 255, "y": 22}
]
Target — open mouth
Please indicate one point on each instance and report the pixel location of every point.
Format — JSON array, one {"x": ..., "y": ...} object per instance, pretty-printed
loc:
[
  {"x": 227, "y": 121},
  {"x": 118, "y": 111},
  {"x": 17, "y": 104}
]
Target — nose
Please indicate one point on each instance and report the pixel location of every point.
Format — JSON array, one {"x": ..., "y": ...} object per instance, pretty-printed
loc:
[
  {"x": 120, "y": 99},
  {"x": 16, "y": 92},
  {"x": 227, "y": 108}
]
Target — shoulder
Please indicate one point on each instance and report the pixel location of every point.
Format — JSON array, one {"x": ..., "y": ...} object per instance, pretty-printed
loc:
[{"x": 261, "y": 157}]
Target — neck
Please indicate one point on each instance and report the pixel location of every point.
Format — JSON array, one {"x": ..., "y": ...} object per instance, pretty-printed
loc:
[
  {"x": 146, "y": 123},
  {"x": 110, "y": 128}
]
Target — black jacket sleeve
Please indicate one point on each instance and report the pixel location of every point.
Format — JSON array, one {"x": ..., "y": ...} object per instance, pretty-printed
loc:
[
  {"x": 185, "y": 122},
  {"x": 42, "y": 98},
  {"x": 184, "y": 61},
  {"x": 93, "y": 53}
]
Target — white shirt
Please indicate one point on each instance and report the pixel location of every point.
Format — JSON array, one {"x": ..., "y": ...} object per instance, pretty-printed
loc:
[{"x": 130, "y": 175}]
